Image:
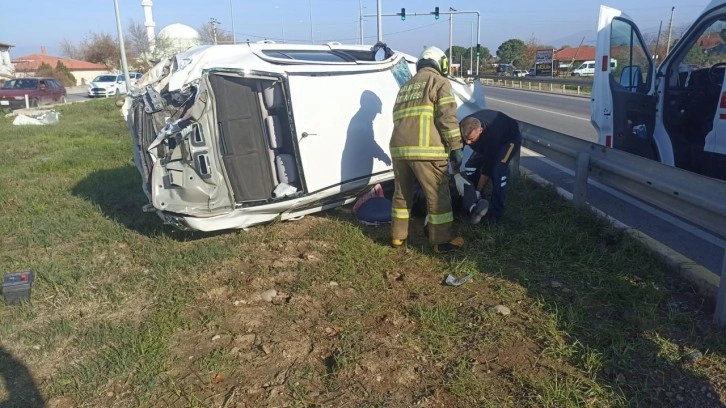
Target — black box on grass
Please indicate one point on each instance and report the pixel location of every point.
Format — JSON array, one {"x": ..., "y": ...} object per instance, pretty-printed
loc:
[{"x": 16, "y": 287}]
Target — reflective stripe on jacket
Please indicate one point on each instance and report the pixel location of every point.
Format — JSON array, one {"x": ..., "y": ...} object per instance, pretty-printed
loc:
[{"x": 424, "y": 119}]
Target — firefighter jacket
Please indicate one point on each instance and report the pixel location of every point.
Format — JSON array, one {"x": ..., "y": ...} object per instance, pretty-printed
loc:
[{"x": 424, "y": 119}]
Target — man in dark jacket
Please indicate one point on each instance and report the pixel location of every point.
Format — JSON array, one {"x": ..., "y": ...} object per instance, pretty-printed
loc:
[
  {"x": 495, "y": 139},
  {"x": 425, "y": 137}
]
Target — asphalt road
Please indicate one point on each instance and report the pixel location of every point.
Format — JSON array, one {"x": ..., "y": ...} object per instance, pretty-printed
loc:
[
  {"x": 565, "y": 114},
  {"x": 571, "y": 115}
]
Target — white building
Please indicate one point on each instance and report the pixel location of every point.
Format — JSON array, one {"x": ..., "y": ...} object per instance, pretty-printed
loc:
[
  {"x": 178, "y": 38},
  {"x": 7, "y": 70}
]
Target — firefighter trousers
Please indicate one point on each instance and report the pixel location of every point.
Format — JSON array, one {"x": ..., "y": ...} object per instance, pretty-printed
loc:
[{"x": 433, "y": 176}]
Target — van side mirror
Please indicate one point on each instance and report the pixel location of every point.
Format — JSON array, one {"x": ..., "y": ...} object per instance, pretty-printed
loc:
[{"x": 631, "y": 78}]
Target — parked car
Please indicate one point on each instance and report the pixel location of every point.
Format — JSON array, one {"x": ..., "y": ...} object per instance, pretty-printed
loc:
[
  {"x": 39, "y": 91},
  {"x": 505, "y": 70},
  {"x": 111, "y": 84},
  {"x": 230, "y": 136},
  {"x": 519, "y": 73},
  {"x": 673, "y": 112}
]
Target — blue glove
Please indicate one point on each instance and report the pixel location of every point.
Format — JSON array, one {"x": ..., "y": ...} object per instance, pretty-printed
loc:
[{"x": 456, "y": 156}]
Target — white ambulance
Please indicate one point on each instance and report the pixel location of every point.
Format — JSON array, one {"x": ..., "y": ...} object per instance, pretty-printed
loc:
[{"x": 674, "y": 112}]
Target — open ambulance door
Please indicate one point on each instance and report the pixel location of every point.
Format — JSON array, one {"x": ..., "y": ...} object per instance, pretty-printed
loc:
[{"x": 623, "y": 104}]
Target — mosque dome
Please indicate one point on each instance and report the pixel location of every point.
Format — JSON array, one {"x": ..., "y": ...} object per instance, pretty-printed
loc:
[{"x": 180, "y": 36}]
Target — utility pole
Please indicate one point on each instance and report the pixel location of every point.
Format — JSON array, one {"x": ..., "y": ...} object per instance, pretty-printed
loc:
[
  {"x": 360, "y": 13},
  {"x": 471, "y": 51},
  {"x": 213, "y": 21},
  {"x": 124, "y": 65},
  {"x": 231, "y": 15},
  {"x": 670, "y": 28},
  {"x": 380, "y": 21},
  {"x": 310, "y": 6},
  {"x": 451, "y": 33}
]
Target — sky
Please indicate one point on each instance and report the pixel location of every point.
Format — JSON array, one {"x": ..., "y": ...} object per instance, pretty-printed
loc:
[{"x": 46, "y": 22}]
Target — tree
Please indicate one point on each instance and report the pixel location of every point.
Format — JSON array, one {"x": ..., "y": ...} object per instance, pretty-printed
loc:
[
  {"x": 99, "y": 48},
  {"x": 64, "y": 75},
  {"x": 142, "y": 48},
  {"x": 207, "y": 34},
  {"x": 512, "y": 51},
  {"x": 60, "y": 72},
  {"x": 44, "y": 70},
  {"x": 530, "y": 51}
]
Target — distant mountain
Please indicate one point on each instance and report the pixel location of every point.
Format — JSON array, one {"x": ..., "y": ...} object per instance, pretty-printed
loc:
[{"x": 574, "y": 39}]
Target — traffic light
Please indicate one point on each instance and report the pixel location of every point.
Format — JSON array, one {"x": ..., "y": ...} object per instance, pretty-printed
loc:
[
  {"x": 403, "y": 14},
  {"x": 478, "y": 50},
  {"x": 436, "y": 13}
]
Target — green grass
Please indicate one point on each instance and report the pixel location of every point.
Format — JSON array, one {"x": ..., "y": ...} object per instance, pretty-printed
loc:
[{"x": 128, "y": 312}]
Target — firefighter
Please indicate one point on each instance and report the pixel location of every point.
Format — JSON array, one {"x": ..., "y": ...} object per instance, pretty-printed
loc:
[
  {"x": 495, "y": 139},
  {"x": 425, "y": 138}
]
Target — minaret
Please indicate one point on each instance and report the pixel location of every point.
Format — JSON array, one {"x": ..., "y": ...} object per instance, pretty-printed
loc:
[{"x": 149, "y": 23}]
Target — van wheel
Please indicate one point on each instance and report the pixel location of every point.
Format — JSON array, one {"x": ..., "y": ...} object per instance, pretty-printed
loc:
[
  {"x": 118, "y": 92},
  {"x": 34, "y": 103},
  {"x": 63, "y": 100}
]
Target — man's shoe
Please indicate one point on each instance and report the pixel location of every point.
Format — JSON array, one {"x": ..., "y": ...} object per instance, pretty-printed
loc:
[
  {"x": 453, "y": 245},
  {"x": 397, "y": 243},
  {"x": 479, "y": 211}
]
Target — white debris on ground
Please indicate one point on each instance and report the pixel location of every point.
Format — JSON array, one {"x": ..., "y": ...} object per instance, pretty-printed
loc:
[{"x": 47, "y": 118}]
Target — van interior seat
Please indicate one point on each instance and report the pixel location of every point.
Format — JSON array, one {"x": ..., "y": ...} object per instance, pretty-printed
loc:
[
  {"x": 286, "y": 170},
  {"x": 272, "y": 96},
  {"x": 274, "y": 132}
]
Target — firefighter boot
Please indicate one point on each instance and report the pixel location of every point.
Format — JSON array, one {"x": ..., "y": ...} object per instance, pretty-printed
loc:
[{"x": 453, "y": 245}]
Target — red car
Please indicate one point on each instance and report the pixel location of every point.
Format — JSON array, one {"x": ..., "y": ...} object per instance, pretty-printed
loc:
[{"x": 40, "y": 91}]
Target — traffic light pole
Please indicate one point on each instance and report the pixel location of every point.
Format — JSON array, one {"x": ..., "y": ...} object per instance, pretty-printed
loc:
[{"x": 450, "y": 12}]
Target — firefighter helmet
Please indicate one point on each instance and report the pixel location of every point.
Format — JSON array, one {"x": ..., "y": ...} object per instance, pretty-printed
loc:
[{"x": 435, "y": 56}]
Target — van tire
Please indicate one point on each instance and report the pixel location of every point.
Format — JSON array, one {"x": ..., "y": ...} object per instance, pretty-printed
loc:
[
  {"x": 62, "y": 100},
  {"x": 34, "y": 103}
]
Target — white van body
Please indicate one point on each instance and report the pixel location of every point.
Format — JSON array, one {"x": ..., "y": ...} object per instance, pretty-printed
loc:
[
  {"x": 587, "y": 68},
  {"x": 231, "y": 136},
  {"x": 675, "y": 112}
]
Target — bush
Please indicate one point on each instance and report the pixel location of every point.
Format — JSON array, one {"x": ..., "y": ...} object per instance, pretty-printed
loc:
[
  {"x": 60, "y": 72},
  {"x": 64, "y": 75}
]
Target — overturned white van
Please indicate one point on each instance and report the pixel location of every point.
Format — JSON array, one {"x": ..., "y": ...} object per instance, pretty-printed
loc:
[
  {"x": 674, "y": 112},
  {"x": 231, "y": 136}
]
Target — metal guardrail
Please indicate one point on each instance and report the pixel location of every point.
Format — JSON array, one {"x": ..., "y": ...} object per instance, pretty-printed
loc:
[
  {"x": 565, "y": 87},
  {"x": 698, "y": 199}
]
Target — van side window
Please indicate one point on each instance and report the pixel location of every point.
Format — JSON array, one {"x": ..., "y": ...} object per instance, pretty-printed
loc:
[{"x": 634, "y": 65}]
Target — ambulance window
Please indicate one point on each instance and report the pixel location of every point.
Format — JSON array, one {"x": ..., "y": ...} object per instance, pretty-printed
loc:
[
  {"x": 709, "y": 48},
  {"x": 626, "y": 47}
]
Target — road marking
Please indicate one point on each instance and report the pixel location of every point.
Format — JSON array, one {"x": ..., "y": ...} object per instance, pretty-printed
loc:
[
  {"x": 537, "y": 109},
  {"x": 704, "y": 235}
]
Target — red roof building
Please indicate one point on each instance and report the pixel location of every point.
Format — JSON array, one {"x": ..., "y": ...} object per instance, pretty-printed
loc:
[
  {"x": 577, "y": 54},
  {"x": 84, "y": 71}
]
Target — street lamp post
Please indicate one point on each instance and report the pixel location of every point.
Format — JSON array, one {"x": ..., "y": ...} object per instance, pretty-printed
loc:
[
  {"x": 451, "y": 33},
  {"x": 310, "y": 3},
  {"x": 380, "y": 21},
  {"x": 231, "y": 16},
  {"x": 670, "y": 28},
  {"x": 360, "y": 22},
  {"x": 124, "y": 65},
  {"x": 282, "y": 19}
]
